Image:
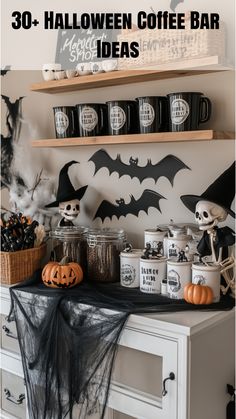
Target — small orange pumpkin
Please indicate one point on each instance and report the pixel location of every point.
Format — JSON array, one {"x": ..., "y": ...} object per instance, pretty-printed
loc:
[
  {"x": 62, "y": 274},
  {"x": 198, "y": 294}
]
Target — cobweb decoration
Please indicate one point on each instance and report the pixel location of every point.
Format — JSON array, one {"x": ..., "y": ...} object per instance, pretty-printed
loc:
[{"x": 69, "y": 338}]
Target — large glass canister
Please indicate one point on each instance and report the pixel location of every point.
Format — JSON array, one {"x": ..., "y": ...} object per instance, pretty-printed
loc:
[
  {"x": 103, "y": 250},
  {"x": 71, "y": 242}
]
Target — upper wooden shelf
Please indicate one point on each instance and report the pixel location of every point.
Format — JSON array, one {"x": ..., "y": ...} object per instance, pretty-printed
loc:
[
  {"x": 172, "y": 70},
  {"x": 161, "y": 137}
]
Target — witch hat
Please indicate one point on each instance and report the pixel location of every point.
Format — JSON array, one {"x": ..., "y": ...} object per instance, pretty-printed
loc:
[
  {"x": 220, "y": 192},
  {"x": 66, "y": 191}
]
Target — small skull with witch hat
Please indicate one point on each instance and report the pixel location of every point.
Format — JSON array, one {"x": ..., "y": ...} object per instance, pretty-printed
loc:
[{"x": 68, "y": 199}]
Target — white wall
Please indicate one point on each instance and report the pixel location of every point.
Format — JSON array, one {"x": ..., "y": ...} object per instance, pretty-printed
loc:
[
  {"x": 206, "y": 159},
  {"x": 30, "y": 49}
]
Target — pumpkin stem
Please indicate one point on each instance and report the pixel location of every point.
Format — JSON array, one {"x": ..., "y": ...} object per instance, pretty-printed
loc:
[{"x": 65, "y": 260}]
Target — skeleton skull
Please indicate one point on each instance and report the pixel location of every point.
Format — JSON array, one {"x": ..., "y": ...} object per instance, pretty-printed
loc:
[
  {"x": 208, "y": 214},
  {"x": 70, "y": 209}
]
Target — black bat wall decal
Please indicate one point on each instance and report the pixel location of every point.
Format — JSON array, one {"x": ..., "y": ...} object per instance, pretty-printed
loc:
[
  {"x": 148, "y": 199},
  {"x": 167, "y": 167}
]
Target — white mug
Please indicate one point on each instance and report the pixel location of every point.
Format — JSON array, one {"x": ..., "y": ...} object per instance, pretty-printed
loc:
[
  {"x": 96, "y": 67},
  {"x": 109, "y": 65},
  {"x": 71, "y": 73},
  {"x": 83, "y": 69},
  {"x": 178, "y": 275},
  {"x": 154, "y": 237},
  {"x": 49, "y": 70},
  {"x": 130, "y": 268},
  {"x": 175, "y": 244},
  {"x": 60, "y": 75},
  {"x": 152, "y": 272},
  {"x": 209, "y": 275}
]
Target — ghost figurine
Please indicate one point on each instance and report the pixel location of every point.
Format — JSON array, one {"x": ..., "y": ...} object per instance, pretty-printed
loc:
[
  {"x": 211, "y": 208},
  {"x": 67, "y": 198}
]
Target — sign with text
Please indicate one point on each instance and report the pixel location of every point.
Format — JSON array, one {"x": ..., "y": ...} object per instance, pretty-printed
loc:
[{"x": 80, "y": 45}]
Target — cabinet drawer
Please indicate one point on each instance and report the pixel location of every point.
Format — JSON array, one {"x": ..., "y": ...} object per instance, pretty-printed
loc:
[
  {"x": 13, "y": 395},
  {"x": 9, "y": 339},
  {"x": 144, "y": 360}
]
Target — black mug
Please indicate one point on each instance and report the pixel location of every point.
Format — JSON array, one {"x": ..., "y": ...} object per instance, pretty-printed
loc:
[
  {"x": 92, "y": 119},
  {"x": 187, "y": 110},
  {"x": 66, "y": 121},
  {"x": 122, "y": 117},
  {"x": 153, "y": 114}
]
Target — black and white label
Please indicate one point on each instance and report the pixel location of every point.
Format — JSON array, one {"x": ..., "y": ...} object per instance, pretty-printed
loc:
[
  {"x": 146, "y": 114},
  {"x": 174, "y": 283},
  {"x": 128, "y": 275},
  {"x": 117, "y": 118},
  {"x": 88, "y": 118},
  {"x": 61, "y": 122},
  {"x": 179, "y": 111}
]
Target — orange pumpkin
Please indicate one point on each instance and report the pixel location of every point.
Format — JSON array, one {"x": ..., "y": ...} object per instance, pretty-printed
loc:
[
  {"x": 198, "y": 294},
  {"x": 62, "y": 274}
]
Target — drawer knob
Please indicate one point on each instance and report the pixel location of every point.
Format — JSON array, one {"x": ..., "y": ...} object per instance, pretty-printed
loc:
[
  {"x": 171, "y": 377},
  {"x": 12, "y": 398},
  {"x": 8, "y": 332}
]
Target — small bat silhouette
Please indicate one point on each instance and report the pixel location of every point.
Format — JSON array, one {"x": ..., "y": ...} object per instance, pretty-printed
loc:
[
  {"x": 148, "y": 199},
  {"x": 5, "y": 70},
  {"x": 174, "y": 4},
  {"x": 167, "y": 167}
]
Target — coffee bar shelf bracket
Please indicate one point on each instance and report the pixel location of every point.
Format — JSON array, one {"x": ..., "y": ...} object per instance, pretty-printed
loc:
[
  {"x": 152, "y": 73},
  {"x": 165, "y": 137}
]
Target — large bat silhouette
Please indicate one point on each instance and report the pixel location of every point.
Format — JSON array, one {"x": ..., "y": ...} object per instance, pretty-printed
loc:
[
  {"x": 148, "y": 199},
  {"x": 167, "y": 167}
]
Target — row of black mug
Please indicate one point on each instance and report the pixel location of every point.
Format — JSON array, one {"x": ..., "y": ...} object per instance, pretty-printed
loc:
[{"x": 175, "y": 112}]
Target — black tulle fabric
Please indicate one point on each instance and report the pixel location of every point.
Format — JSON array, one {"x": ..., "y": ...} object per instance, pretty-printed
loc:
[{"x": 68, "y": 341}]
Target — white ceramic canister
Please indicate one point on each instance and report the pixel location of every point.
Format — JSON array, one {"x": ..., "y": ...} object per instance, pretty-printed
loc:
[
  {"x": 152, "y": 272},
  {"x": 209, "y": 275},
  {"x": 154, "y": 237},
  {"x": 130, "y": 268},
  {"x": 178, "y": 275},
  {"x": 175, "y": 244}
]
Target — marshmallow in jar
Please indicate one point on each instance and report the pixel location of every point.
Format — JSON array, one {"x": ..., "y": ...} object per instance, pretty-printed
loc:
[
  {"x": 209, "y": 275},
  {"x": 178, "y": 275},
  {"x": 130, "y": 268},
  {"x": 152, "y": 272},
  {"x": 154, "y": 237}
]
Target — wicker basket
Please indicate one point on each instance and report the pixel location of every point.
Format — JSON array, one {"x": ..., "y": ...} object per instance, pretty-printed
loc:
[
  {"x": 165, "y": 46},
  {"x": 17, "y": 266}
]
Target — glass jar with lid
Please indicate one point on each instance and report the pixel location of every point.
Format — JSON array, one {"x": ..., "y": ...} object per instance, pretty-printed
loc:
[
  {"x": 103, "y": 250},
  {"x": 71, "y": 242}
]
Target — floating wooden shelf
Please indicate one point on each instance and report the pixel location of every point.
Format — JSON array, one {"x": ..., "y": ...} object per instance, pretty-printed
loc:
[
  {"x": 172, "y": 70},
  {"x": 164, "y": 137}
]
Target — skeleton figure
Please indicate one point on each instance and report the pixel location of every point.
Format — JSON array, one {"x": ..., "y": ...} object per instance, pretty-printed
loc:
[
  {"x": 69, "y": 211},
  {"x": 208, "y": 215}
]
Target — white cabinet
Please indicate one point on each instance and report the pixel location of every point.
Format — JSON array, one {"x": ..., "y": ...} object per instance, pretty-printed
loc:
[{"x": 197, "y": 347}]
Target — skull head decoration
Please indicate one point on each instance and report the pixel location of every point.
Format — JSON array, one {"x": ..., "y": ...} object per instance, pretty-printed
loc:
[
  {"x": 68, "y": 199},
  {"x": 70, "y": 209},
  {"x": 208, "y": 215}
]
